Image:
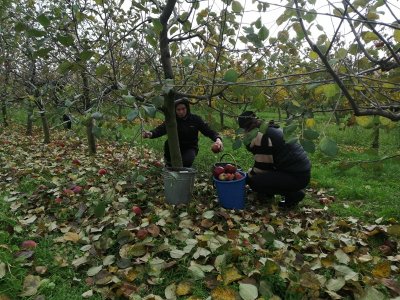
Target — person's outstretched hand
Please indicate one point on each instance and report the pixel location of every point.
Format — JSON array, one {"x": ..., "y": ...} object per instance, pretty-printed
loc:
[
  {"x": 218, "y": 146},
  {"x": 147, "y": 134}
]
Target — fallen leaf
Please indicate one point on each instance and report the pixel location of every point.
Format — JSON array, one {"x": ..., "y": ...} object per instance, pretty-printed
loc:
[
  {"x": 30, "y": 285},
  {"x": 382, "y": 270},
  {"x": 231, "y": 275},
  {"x": 248, "y": 291}
]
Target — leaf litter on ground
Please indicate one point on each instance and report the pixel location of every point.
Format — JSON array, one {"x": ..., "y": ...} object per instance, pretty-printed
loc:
[{"x": 168, "y": 251}]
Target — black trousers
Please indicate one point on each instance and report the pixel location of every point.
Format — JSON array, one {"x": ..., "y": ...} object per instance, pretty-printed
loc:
[
  {"x": 188, "y": 156},
  {"x": 279, "y": 183}
]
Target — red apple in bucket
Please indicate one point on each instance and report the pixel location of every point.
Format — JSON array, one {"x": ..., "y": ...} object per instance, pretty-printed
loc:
[
  {"x": 229, "y": 168},
  {"x": 218, "y": 170}
]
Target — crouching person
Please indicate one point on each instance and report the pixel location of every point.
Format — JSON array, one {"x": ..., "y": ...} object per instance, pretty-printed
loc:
[{"x": 279, "y": 168}]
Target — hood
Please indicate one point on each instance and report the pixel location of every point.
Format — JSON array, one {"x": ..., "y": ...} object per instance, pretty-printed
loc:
[{"x": 184, "y": 101}]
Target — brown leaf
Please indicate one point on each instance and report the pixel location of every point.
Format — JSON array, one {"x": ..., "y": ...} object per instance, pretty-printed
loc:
[
  {"x": 206, "y": 223},
  {"x": 126, "y": 289},
  {"x": 103, "y": 278},
  {"x": 382, "y": 270},
  {"x": 154, "y": 230},
  {"x": 391, "y": 284}
]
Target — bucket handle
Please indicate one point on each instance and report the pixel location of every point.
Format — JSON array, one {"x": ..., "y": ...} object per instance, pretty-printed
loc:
[{"x": 233, "y": 158}]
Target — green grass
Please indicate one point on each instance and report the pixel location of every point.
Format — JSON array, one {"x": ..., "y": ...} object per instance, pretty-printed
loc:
[
  {"x": 365, "y": 190},
  {"x": 59, "y": 280}
]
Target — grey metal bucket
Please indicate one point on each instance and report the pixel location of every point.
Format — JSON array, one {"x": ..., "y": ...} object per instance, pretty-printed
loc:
[{"x": 178, "y": 184}]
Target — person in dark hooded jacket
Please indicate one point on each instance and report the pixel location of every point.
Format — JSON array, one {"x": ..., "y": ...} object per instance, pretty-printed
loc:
[
  {"x": 280, "y": 168},
  {"x": 189, "y": 125}
]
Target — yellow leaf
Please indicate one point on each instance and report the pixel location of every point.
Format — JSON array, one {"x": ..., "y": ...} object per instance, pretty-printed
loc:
[
  {"x": 365, "y": 121},
  {"x": 382, "y": 270},
  {"x": 310, "y": 122},
  {"x": 223, "y": 293},
  {"x": 313, "y": 55},
  {"x": 387, "y": 122},
  {"x": 396, "y": 35},
  {"x": 183, "y": 288},
  {"x": 231, "y": 275},
  {"x": 72, "y": 237}
]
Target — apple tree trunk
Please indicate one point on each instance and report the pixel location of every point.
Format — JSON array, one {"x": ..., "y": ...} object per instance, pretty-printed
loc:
[
  {"x": 90, "y": 136},
  {"x": 170, "y": 117},
  {"x": 4, "y": 111},
  {"x": 45, "y": 126},
  {"x": 29, "y": 119}
]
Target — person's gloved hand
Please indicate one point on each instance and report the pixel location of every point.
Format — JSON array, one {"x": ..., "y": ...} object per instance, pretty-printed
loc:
[
  {"x": 147, "y": 134},
  {"x": 217, "y": 146}
]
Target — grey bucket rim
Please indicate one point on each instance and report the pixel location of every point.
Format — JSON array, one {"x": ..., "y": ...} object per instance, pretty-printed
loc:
[{"x": 179, "y": 170}]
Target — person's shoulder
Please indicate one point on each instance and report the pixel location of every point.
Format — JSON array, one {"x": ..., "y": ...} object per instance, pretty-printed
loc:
[{"x": 195, "y": 117}]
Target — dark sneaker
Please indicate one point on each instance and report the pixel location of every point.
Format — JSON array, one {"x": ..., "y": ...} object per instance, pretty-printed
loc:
[
  {"x": 265, "y": 197},
  {"x": 291, "y": 200}
]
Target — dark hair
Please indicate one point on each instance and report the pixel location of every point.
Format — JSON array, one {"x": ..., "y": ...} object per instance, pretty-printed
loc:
[
  {"x": 246, "y": 119},
  {"x": 184, "y": 101}
]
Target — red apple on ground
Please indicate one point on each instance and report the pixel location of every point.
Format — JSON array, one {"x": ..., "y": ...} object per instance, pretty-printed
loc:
[
  {"x": 77, "y": 189},
  {"x": 102, "y": 172},
  {"x": 218, "y": 170},
  {"x": 215, "y": 148},
  {"x": 28, "y": 244},
  {"x": 58, "y": 200},
  {"x": 68, "y": 192},
  {"x": 136, "y": 210},
  {"x": 76, "y": 162},
  {"x": 157, "y": 164}
]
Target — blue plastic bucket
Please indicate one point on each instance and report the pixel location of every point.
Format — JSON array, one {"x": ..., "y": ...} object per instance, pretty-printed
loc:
[{"x": 231, "y": 194}]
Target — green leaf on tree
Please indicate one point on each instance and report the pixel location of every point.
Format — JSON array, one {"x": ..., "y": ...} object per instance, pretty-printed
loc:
[
  {"x": 150, "y": 110},
  {"x": 86, "y": 55},
  {"x": 158, "y": 101},
  {"x": 158, "y": 27},
  {"x": 310, "y": 15},
  {"x": 132, "y": 115},
  {"x": 258, "y": 23},
  {"x": 43, "y": 20},
  {"x": 42, "y": 52},
  {"x": 310, "y": 134},
  {"x": 96, "y": 131},
  {"x": 237, "y": 7},
  {"x": 64, "y": 67},
  {"x": 35, "y": 32},
  {"x": 231, "y": 75},
  {"x": 369, "y": 36},
  {"x": 66, "y": 40},
  {"x": 308, "y": 145},
  {"x": 101, "y": 70},
  {"x": 186, "y": 60},
  {"x": 331, "y": 90},
  {"x": 263, "y": 33},
  {"x": 19, "y": 26},
  {"x": 328, "y": 146}
]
